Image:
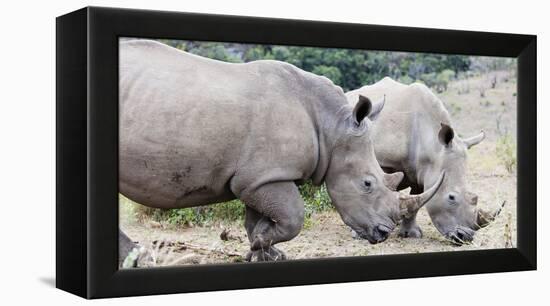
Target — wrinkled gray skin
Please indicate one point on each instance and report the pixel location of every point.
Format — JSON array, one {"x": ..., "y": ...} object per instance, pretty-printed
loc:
[
  {"x": 414, "y": 134},
  {"x": 195, "y": 131}
]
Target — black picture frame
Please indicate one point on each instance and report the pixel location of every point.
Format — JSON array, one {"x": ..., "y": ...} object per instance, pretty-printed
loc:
[{"x": 87, "y": 152}]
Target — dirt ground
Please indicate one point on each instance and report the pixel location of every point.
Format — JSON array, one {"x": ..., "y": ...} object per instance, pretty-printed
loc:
[{"x": 474, "y": 105}]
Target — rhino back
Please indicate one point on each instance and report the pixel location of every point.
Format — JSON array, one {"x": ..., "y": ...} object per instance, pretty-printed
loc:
[{"x": 195, "y": 131}]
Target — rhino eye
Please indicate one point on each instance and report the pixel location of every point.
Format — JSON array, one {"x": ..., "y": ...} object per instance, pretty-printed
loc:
[
  {"x": 368, "y": 185},
  {"x": 452, "y": 198}
]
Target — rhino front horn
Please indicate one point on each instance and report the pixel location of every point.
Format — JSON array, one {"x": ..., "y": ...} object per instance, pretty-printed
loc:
[
  {"x": 484, "y": 218},
  {"x": 410, "y": 204}
]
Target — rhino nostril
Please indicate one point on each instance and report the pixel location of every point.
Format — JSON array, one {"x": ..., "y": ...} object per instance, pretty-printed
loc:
[
  {"x": 457, "y": 238},
  {"x": 381, "y": 232},
  {"x": 471, "y": 198},
  {"x": 461, "y": 236}
]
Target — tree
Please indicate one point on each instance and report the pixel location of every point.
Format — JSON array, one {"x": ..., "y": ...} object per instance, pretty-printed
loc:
[
  {"x": 347, "y": 68},
  {"x": 331, "y": 72}
]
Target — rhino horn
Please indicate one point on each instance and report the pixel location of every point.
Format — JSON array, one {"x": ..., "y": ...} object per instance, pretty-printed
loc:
[
  {"x": 392, "y": 180},
  {"x": 472, "y": 141},
  {"x": 410, "y": 204},
  {"x": 484, "y": 218}
]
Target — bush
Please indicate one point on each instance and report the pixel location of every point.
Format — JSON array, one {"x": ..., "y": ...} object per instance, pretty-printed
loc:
[
  {"x": 406, "y": 80},
  {"x": 506, "y": 151},
  {"x": 231, "y": 211},
  {"x": 332, "y": 73},
  {"x": 443, "y": 79},
  {"x": 316, "y": 199}
]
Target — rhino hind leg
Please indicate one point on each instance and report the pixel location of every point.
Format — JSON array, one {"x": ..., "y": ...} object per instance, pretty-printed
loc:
[
  {"x": 409, "y": 228},
  {"x": 274, "y": 214},
  {"x": 131, "y": 255},
  {"x": 125, "y": 246}
]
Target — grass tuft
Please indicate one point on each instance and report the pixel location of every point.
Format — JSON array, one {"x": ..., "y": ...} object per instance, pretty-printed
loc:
[{"x": 506, "y": 151}]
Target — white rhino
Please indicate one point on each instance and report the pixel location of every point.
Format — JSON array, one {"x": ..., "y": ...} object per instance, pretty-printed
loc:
[
  {"x": 196, "y": 131},
  {"x": 414, "y": 134}
]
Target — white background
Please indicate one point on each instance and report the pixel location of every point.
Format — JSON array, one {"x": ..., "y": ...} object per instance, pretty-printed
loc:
[{"x": 27, "y": 151}]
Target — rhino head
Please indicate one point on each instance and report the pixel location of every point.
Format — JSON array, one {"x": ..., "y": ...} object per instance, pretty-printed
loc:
[
  {"x": 362, "y": 193},
  {"x": 453, "y": 209}
]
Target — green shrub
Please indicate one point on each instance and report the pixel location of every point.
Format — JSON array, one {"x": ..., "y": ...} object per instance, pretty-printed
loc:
[
  {"x": 333, "y": 73},
  {"x": 406, "y": 79},
  {"x": 506, "y": 151},
  {"x": 133, "y": 211},
  {"x": 205, "y": 215},
  {"x": 315, "y": 198},
  {"x": 443, "y": 79},
  {"x": 438, "y": 81},
  {"x": 229, "y": 211}
]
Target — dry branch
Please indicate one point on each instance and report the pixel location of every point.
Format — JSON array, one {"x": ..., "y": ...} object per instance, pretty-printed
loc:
[{"x": 179, "y": 245}]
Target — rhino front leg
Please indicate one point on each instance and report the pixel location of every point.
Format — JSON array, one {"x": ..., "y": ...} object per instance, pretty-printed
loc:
[
  {"x": 251, "y": 219},
  {"x": 409, "y": 228},
  {"x": 275, "y": 213}
]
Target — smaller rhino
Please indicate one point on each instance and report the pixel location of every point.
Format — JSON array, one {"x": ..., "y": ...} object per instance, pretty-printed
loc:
[{"x": 414, "y": 135}]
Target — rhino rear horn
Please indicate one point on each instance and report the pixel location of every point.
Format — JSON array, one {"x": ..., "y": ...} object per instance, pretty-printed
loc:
[
  {"x": 392, "y": 180},
  {"x": 472, "y": 141},
  {"x": 410, "y": 204}
]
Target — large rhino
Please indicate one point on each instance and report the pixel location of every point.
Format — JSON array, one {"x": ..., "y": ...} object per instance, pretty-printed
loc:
[
  {"x": 414, "y": 134},
  {"x": 196, "y": 131}
]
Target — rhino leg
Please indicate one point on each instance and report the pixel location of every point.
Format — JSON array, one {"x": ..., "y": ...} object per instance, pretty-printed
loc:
[
  {"x": 251, "y": 219},
  {"x": 125, "y": 246},
  {"x": 275, "y": 213},
  {"x": 409, "y": 228},
  {"x": 271, "y": 254}
]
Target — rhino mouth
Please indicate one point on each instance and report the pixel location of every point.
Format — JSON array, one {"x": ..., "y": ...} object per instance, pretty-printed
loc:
[
  {"x": 461, "y": 235},
  {"x": 363, "y": 235},
  {"x": 379, "y": 233}
]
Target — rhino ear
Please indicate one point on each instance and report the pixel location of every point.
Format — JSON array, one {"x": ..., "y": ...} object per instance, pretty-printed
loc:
[
  {"x": 365, "y": 108},
  {"x": 446, "y": 135},
  {"x": 376, "y": 109}
]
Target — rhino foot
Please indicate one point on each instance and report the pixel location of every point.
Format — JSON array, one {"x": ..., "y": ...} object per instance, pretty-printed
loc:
[
  {"x": 270, "y": 254},
  {"x": 410, "y": 232},
  {"x": 138, "y": 257},
  {"x": 354, "y": 235}
]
